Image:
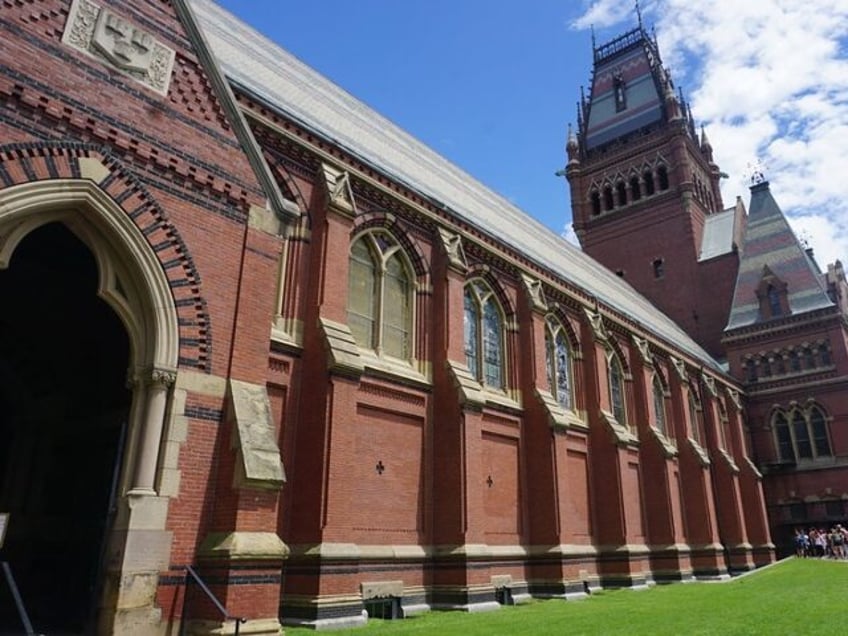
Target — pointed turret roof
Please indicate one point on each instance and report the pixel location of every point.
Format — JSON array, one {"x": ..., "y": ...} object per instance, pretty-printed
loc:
[
  {"x": 629, "y": 89},
  {"x": 772, "y": 250}
]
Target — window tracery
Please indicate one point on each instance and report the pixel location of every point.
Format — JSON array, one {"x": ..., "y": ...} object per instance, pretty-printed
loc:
[
  {"x": 484, "y": 335},
  {"x": 801, "y": 433},
  {"x": 380, "y": 295},
  {"x": 559, "y": 360}
]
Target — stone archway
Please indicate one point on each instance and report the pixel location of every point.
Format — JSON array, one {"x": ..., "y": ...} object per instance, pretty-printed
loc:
[{"x": 129, "y": 281}]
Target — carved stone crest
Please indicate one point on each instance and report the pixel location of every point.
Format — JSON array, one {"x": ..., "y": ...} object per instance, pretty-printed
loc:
[
  {"x": 339, "y": 191},
  {"x": 596, "y": 321},
  {"x": 680, "y": 368},
  {"x": 103, "y": 34},
  {"x": 121, "y": 43},
  {"x": 710, "y": 385},
  {"x": 452, "y": 245},
  {"x": 535, "y": 292},
  {"x": 644, "y": 350}
]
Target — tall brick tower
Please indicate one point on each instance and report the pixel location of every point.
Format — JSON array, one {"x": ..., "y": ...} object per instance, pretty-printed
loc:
[{"x": 645, "y": 190}]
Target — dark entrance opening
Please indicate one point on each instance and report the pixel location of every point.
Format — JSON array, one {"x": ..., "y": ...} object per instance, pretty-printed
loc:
[{"x": 64, "y": 356}]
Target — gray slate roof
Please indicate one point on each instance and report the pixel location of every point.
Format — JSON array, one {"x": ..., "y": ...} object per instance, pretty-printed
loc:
[
  {"x": 261, "y": 68},
  {"x": 718, "y": 234}
]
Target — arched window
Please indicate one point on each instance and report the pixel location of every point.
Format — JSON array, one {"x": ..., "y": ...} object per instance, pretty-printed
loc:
[
  {"x": 380, "y": 295},
  {"x": 648, "y": 177},
  {"x": 621, "y": 191},
  {"x": 559, "y": 364},
  {"x": 662, "y": 176},
  {"x": 809, "y": 358},
  {"x": 596, "y": 203},
  {"x": 608, "y": 201},
  {"x": 635, "y": 189},
  {"x": 818, "y": 426},
  {"x": 824, "y": 355},
  {"x": 620, "y": 93},
  {"x": 794, "y": 361},
  {"x": 785, "y": 448},
  {"x": 802, "y": 434},
  {"x": 484, "y": 335},
  {"x": 751, "y": 370},
  {"x": 722, "y": 425},
  {"x": 616, "y": 388},
  {"x": 659, "y": 407},
  {"x": 773, "y": 296},
  {"x": 695, "y": 416}
]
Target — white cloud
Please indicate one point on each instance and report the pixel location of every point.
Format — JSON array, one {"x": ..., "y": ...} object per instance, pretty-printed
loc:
[
  {"x": 770, "y": 81},
  {"x": 603, "y": 13},
  {"x": 570, "y": 235}
]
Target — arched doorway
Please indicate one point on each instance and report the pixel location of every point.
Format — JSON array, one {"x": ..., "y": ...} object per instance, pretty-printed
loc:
[
  {"x": 64, "y": 356},
  {"x": 111, "y": 320}
]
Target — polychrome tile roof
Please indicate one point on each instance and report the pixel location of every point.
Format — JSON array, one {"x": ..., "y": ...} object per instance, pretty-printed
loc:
[{"x": 770, "y": 243}]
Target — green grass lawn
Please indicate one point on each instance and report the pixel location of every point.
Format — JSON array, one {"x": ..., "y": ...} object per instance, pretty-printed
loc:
[{"x": 797, "y": 597}]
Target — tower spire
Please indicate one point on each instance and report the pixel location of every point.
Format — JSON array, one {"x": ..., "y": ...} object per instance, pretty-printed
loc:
[{"x": 639, "y": 14}]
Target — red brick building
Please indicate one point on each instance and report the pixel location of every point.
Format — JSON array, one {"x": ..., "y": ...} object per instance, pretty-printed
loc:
[
  {"x": 646, "y": 201},
  {"x": 251, "y": 327}
]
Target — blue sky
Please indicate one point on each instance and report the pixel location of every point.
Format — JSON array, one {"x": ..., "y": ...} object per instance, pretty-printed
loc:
[{"x": 492, "y": 85}]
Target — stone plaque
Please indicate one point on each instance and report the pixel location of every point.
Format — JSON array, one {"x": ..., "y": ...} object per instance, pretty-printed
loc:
[{"x": 116, "y": 41}]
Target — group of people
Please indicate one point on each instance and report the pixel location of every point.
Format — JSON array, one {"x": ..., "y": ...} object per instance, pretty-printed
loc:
[{"x": 820, "y": 542}]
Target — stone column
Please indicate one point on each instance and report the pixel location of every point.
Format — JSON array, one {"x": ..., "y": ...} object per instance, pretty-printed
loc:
[{"x": 158, "y": 385}]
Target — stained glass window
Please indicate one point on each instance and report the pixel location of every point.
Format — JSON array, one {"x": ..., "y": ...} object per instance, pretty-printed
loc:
[
  {"x": 362, "y": 294},
  {"x": 558, "y": 358},
  {"x": 380, "y": 296},
  {"x": 695, "y": 415},
  {"x": 471, "y": 328},
  {"x": 492, "y": 339},
  {"x": 616, "y": 388},
  {"x": 659, "y": 407},
  {"x": 484, "y": 335}
]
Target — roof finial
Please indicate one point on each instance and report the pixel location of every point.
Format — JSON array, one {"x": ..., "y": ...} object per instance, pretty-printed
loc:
[
  {"x": 592, "y": 28},
  {"x": 639, "y": 14},
  {"x": 572, "y": 147},
  {"x": 705, "y": 143},
  {"x": 756, "y": 173}
]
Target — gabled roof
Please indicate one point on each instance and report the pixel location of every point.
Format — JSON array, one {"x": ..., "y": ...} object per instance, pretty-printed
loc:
[
  {"x": 771, "y": 246},
  {"x": 259, "y": 67}
]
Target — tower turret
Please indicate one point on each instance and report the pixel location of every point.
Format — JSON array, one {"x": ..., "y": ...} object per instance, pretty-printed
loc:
[{"x": 643, "y": 184}]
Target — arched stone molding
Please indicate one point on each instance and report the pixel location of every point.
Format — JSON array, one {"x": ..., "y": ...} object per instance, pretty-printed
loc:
[
  {"x": 398, "y": 229},
  {"x": 60, "y": 162},
  {"x": 134, "y": 284},
  {"x": 131, "y": 279}
]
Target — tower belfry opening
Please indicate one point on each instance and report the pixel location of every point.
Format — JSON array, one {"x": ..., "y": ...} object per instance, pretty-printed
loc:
[{"x": 64, "y": 356}]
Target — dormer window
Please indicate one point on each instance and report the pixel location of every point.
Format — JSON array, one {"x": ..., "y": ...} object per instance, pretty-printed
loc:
[
  {"x": 620, "y": 93},
  {"x": 772, "y": 296},
  {"x": 774, "y": 301}
]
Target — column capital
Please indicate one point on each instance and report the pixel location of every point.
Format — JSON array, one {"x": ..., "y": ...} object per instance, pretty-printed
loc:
[{"x": 161, "y": 377}]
